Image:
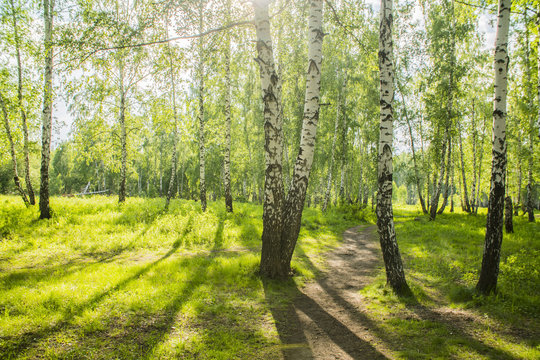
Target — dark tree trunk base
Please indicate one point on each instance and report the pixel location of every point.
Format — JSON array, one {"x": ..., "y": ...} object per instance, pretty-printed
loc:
[{"x": 508, "y": 223}]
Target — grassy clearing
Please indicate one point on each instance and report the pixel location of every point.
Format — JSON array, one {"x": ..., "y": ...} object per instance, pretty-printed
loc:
[
  {"x": 447, "y": 320},
  {"x": 102, "y": 281}
]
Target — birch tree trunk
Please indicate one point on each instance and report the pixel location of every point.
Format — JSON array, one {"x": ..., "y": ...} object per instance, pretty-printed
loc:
[
  {"x": 395, "y": 274},
  {"x": 344, "y": 129},
  {"x": 452, "y": 187},
  {"x": 333, "y": 153},
  {"x": 530, "y": 208},
  {"x": 518, "y": 201},
  {"x": 360, "y": 173},
  {"x": 437, "y": 188},
  {"x": 480, "y": 162},
  {"x": 46, "y": 116},
  {"x": 202, "y": 146},
  {"x": 465, "y": 192},
  {"x": 123, "y": 134},
  {"x": 273, "y": 185},
  {"x": 29, "y": 187},
  {"x": 508, "y": 223},
  {"x": 175, "y": 116},
  {"x": 227, "y": 153},
  {"x": 416, "y": 174},
  {"x": 292, "y": 212},
  {"x": 12, "y": 151},
  {"x": 479, "y": 173},
  {"x": 286, "y": 164},
  {"x": 538, "y": 69},
  {"x": 474, "y": 139},
  {"x": 492, "y": 246},
  {"x": 447, "y": 181}
]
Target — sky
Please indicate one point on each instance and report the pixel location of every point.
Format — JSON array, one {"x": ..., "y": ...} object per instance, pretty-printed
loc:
[{"x": 63, "y": 120}]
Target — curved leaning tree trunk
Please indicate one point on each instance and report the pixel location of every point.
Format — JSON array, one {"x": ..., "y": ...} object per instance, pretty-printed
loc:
[
  {"x": 46, "y": 116},
  {"x": 395, "y": 274},
  {"x": 12, "y": 151},
  {"x": 273, "y": 184},
  {"x": 493, "y": 241},
  {"x": 292, "y": 213},
  {"x": 29, "y": 187}
]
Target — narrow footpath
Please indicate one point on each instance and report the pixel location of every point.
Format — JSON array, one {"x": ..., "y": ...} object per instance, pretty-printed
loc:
[{"x": 327, "y": 319}]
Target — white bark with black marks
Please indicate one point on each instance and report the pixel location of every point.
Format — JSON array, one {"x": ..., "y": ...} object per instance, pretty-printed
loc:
[
  {"x": 227, "y": 152},
  {"x": 464, "y": 177},
  {"x": 46, "y": 116},
  {"x": 123, "y": 132},
  {"x": 437, "y": 188},
  {"x": 494, "y": 234},
  {"x": 530, "y": 207},
  {"x": 175, "y": 119},
  {"x": 292, "y": 212},
  {"x": 16, "y": 180},
  {"x": 202, "y": 146},
  {"x": 273, "y": 185},
  {"x": 29, "y": 187},
  {"x": 395, "y": 274}
]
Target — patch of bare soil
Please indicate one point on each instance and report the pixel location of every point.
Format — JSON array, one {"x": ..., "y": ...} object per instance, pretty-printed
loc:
[{"x": 327, "y": 321}]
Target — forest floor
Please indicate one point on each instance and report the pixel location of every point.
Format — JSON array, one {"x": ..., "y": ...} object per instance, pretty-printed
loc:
[
  {"x": 327, "y": 318},
  {"x": 106, "y": 281},
  {"x": 330, "y": 318}
]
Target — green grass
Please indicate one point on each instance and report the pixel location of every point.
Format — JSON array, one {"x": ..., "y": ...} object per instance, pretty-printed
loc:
[
  {"x": 106, "y": 281},
  {"x": 446, "y": 319},
  {"x": 103, "y": 281}
]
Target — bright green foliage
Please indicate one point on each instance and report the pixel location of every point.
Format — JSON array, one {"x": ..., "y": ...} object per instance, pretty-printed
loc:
[{"x": 104, "y": 281}]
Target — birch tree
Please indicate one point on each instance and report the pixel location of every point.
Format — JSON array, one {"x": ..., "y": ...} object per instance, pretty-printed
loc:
[
  {"x": 395, "y": 274},
  {"x": 493, "y": 240},
  {"x": 273, "y": 184},
  {"x": 46, "y": 117},
  {"x": 20, "y": 104},
  {"x": 16, "y": 180},
  {"x": 202, "y": 147},
  {"x": 175, "y": 119},
  {"x": 530, "y": 206},
  {"x": 281, "y": 218},
  {"x": 227, "y": 110},
  {"x": 292, "y": 213}
]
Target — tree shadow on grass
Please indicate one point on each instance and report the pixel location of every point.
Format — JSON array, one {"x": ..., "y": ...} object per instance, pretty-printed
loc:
[
  {"x": 425, "y": 334},
  {"x": 21, "y": 343},
  {"x": 294, "y": 344},
  {"x": 137, "y": 334},
  {"x": 400, "y": 339},
  {"x": 31, "y": 275}
]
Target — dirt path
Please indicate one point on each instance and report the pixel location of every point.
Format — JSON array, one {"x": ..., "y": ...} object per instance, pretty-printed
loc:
[{"x": 326, "y": 320}]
